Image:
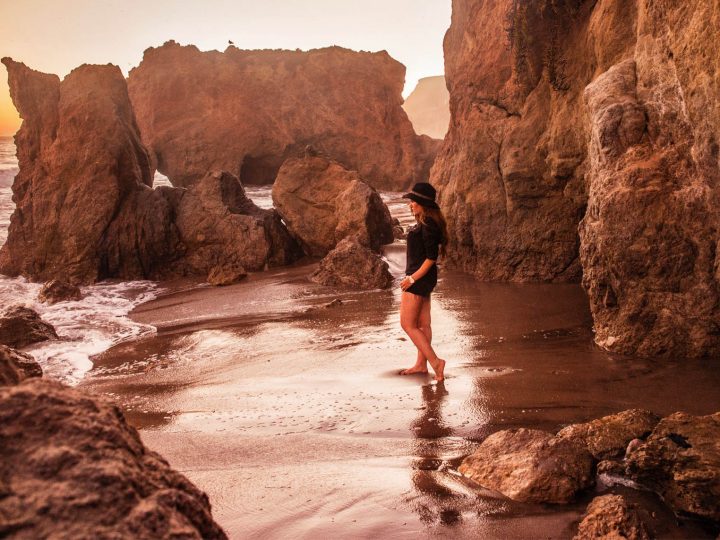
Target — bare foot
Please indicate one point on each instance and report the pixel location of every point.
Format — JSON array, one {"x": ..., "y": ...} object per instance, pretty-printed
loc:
[
  {"x": 413, "y": 370},
  {"x": 440, "y": 370}
]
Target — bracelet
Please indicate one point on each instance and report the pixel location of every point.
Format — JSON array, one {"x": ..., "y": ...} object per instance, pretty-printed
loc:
[{"x": 412, "y": 279}]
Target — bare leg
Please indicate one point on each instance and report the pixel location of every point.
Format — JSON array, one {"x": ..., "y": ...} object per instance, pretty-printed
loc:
[
  {"x": 424, "y": 325},
  {"x": 410, "y": 307}
]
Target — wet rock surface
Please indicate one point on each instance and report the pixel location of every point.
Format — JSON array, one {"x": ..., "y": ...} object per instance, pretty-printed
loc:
[
  {"x": 610, "y": 516},
  {"x": 55, "y": 291},
  {"x": 529, "y": 465},
  {"x": 21, "y": 326},
  {"x": 352, "y": 265},
  {"x": 321, "y": 202},
  {"x": 608, "y": 437},
  {"x": 72, "y": 468},
  {"x": 681, "y": 462},
  {"x": 16, "y": 366},
  {"x": 226, "y": 275},
  {"x": 246, "y": 112}
]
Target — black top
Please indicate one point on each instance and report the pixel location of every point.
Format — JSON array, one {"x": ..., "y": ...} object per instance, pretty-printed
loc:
[{"x": 423, "y": 242}]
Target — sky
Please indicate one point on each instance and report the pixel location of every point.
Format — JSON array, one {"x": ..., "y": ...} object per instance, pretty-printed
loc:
[{"x": 55, "y": 36}]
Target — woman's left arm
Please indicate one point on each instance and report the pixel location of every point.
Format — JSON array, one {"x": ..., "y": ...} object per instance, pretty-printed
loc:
[{"x": 420, "y": 272}]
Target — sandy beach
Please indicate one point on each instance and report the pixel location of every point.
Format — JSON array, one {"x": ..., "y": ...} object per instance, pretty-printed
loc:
[{"x": 291, "y": 414}]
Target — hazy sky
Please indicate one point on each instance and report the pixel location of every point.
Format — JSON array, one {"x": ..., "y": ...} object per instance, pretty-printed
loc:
[{"x": 56, "y": 36}]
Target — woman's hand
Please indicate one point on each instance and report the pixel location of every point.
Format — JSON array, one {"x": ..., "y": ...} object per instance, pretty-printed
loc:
[{"x": 406, "y": 283}]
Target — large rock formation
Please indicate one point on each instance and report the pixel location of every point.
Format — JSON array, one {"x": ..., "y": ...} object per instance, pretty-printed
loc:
[
  {"x": 428, "y": 107},
  {"x": 85, "y": 210},
  {"x": 322, "y": 202},
  {"x": 354, "y": 266},
  {"x": 544, "y": 180},
  {"x": 71, "y": 467},
  {"x": 247, "y": 111}
]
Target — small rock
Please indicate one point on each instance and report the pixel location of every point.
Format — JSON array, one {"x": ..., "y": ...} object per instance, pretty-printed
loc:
[
  {"x": 608, "y": 437},
  {"x": 222, "y": 275},
  {"x": 16, "y": 366},
  {"x": 334, "y": 303},
  {"x": 55, "y": 291},
  {"x": 529, "y": 465},
  {"x": 611, "y": 517},
  {"x": 21, "y": 326},
  {"x": 680, "y": 461},
  {"x": 354, "y": 266}
]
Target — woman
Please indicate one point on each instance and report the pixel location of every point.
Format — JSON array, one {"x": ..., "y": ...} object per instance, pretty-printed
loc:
[{"x": 424, "y": 242}]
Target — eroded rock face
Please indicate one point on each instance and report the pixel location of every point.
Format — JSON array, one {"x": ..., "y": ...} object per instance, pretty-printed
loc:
[
  {"x": 82, "y": 167},
  {"x": 221, "y": 227},
  {"x": 530, "y": 153},
  {"x": 681, "y": 462},
  {"x": 21, "y": 326},
  {"x": 610, "y": 516},
  {"x": 529, "y": 465},
  {"x": 71, "y": 465},
  {"x": 321, "y": 202},
  {"x": 247, "y": 111},
  {"x": 352, "y": 265},
  {"x": 16, "y": 366},
  {"x": 608, "y": 437},
  {"x": 55, "y": 291}
]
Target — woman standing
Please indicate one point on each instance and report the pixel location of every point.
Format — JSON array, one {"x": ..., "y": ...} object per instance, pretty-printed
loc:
[{"x": 424, "y": 243}]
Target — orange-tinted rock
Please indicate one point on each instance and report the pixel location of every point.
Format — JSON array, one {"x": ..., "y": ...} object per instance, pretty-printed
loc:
[
  {"x": 71, "y": 467},
  {"x": 55, "y": 291},
  {"x": 322, "y": 202},
  {"x": 82, "y": 167},
  {"x": 16, "y": 366},
  {"x": 529, "y": 155},
  {"x": 247, "y": 111},
  {"x": 353, "y": 266},
  {"x": 21, "y": 326},
  {"x": 428, "y": 107},
  {"x": 611, "y": 517}
]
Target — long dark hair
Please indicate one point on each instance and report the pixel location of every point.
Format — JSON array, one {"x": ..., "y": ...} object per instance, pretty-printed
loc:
[{"x": 437, "y": 216}]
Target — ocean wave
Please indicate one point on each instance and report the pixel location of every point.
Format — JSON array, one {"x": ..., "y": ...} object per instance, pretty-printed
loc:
[
  {"x": 7, "y": 176},
  {"x": 85, "y": 328}
]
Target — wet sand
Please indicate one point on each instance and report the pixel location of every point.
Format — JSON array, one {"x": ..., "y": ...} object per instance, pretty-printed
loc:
[{"x": 294, "y": 420}]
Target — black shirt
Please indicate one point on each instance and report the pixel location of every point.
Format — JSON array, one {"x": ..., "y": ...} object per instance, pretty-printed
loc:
[{"x": 423, "y": 242}]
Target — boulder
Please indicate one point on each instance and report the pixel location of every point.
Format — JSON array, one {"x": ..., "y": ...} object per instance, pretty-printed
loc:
[
  {"x": 321, "y": 202},
  {"x": 21, "y": 326},
  {"x": 532, "y": 466},
  {"x": 16, "y": 366},
  {"x": 222, "y": 275},
  {"x": 55, "y": 291},
  {"x": 680, "y": 461},
  {"x": 221, "y": 227},
  {"x": 354, "y": 266},
  {"x": 611, "y": 517},
  {"x": 247, "y": 111},
  {"x": 608, "y": 437},
  {"x": 71, "y": 467}
]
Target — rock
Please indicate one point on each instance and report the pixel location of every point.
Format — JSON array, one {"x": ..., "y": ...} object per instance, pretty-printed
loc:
[
  {"x": 681, "y": 462},
  {"x": 55, "y": 291},
  {"x": 70, "y": 466},
  {"x": 21, "y": 326},
  {"x": 354, "y": 266},
  {"x": 246, "y": 112},
  {"x": 398, "y": 231},
  {"x": 226, "y": 275},
  {"x": 428, "y": 107},
  {"x": 529, "y": 465},
  {"x": 81, "y": 166},
  {"x": 543, "y": 180},
  {"x": 608, "y": 437},
  {"x": 611, "y": 517},
  {"x": 16, "y": 366},
  {"x": 220, "y": 226},
  {"x": 321, "y": 203}
]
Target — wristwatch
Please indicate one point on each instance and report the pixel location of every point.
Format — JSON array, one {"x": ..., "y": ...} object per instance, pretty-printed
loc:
[{"x": 412, "y": 280}]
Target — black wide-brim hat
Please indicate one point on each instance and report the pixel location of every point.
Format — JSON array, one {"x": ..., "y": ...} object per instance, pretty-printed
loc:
[{"x": 423, "y": 194}]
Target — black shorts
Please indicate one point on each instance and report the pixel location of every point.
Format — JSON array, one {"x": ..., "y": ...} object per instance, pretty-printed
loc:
[{"x": 423, "y": 286}]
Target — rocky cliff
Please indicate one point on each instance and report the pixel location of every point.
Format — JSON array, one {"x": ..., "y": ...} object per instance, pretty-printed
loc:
[
  {"x": 247, "y": 111},
  {"x": 85, "y": 210},
  {"x": 428, "y": 107},
  {"x": 584, "y": 142}
]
